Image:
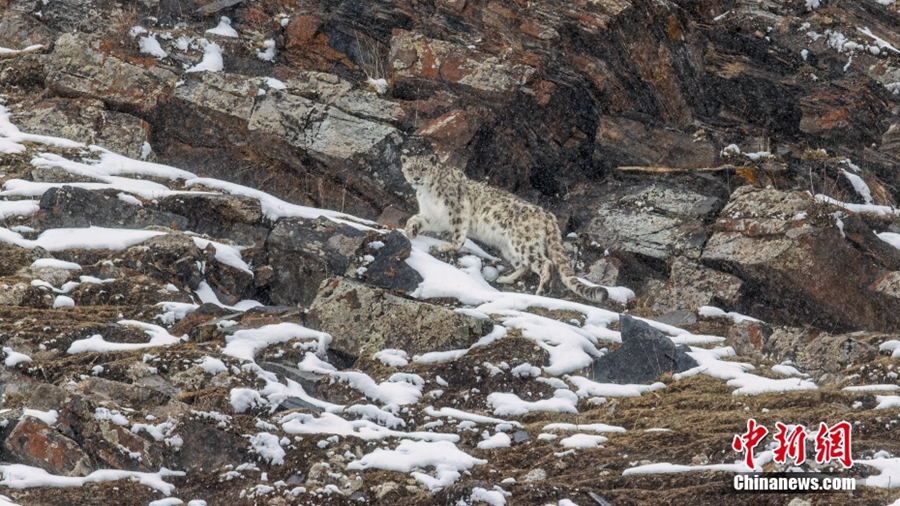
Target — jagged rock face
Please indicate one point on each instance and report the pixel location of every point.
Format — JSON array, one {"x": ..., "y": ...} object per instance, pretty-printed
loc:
[
  {"x": 812, "y": 258},
  {"x": 89, "y": 122},
  {"x": 548, "y": 101},
  {"x": 540, "y": 100},
  {"x": 79, "y": 67}
]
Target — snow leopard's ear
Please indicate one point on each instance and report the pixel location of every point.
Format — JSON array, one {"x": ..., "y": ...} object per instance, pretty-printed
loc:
[
  {"x": 404, "y": 159},
  {"x": 433, "y": 159}
]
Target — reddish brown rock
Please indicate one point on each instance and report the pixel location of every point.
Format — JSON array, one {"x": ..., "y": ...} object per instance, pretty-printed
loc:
[
  {"x": 32, "y": 442},
  {"x": 307, "y": 48},
  {"x": 451, "y": 131}
]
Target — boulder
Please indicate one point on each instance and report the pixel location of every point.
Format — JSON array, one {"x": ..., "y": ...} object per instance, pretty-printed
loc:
[
  {"x": 112, "y": 445},
  {"x": 207, "y": 447},
  {"x": 34, "y": 443},
  {"x": 19, "y": 30},
  {"x": 229, "y": 283},
  {"x": 335, "y": 137},
  {"x": 825, "y": 357},
  {"x": 803, "y": 262},
  {"x": 167, "y": 258},
  {"x": 645, "y": 353},
  {"x": 122, "y": 394},
  {"x": 324, "y": 143},
  {"x": 363, "y": 320},
  {"x": 749, "y": 338},
  {"x": 389, "y": 270},
  {"x": 305, "y": 252}
]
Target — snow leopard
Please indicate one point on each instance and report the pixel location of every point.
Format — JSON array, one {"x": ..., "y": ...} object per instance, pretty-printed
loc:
[{"x": 526, "y": 235}]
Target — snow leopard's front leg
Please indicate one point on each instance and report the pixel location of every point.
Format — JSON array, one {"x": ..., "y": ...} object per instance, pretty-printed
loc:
[
  {"x": 459, "y": 221},
  {"x": 414, "y": 225}
]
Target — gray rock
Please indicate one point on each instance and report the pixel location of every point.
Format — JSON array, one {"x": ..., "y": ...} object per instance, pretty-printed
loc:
[
  {"x": 825, "y": 357},
  {"x": 606, "y": 271},
  {"x": 124, "y": 394},
  {"x": 104, "y": 440},
  {"x": 224, "y": 96},
  {"x": 329, "y": 89},
  {"x": 77, "y": 68},
  {"x": 229, "y": 283},
  {"x": 749, "y": 338},
  {"x": 326, "y": 132},
  {"x": 304, "y": 252},
  {"x": 19, "y": 30},
  {"x": 656, "y": 222},
  {"x": 222, "y": 216},
  {"x": 72, "y": 207},
  {"x": 389, "y": 270},
  {"x": 318, "y": 137},
  {"x": 86, "y": 120},
  {"x": 363, "y": 320},
  {"x": 168, "y": 258},
  {"x": 677, "y": 317},
  {"x": 47, "y": 396},
  {"x": 692, "y": 286},
  {"x": 207, "y": 448},
  {"x": 90, "y": 15},
  {"x": 645, "y": 353}
]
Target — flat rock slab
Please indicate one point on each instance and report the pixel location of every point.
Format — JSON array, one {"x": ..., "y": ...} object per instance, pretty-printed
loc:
[
  {"x": 655, "y": 222},
  {"x": 645, "y": 353},
  {"x": 72, "y": 207},
  {"x": 363, "y": 320}
]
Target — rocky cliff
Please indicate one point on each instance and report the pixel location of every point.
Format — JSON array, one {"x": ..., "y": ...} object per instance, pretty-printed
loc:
[{"x": 721, "y": 159}]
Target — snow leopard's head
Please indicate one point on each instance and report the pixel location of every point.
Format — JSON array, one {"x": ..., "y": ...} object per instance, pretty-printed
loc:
[{"x": 419, "y": 169}]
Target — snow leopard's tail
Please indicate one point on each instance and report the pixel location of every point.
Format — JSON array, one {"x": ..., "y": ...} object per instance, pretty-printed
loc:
[{"x": 558, "y": 257}]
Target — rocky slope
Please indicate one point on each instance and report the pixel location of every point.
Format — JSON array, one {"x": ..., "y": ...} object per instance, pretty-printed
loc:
[{"x": 734, "y": 155}]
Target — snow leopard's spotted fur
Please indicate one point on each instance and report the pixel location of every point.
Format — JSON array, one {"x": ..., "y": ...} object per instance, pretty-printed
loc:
[{"x": 526, "y": 235}]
